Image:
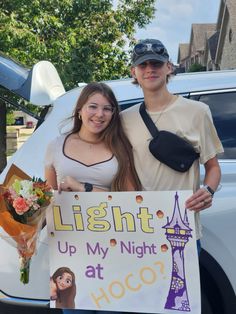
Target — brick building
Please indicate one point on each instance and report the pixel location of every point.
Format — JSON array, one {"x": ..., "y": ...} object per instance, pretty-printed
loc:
[
  {"x": 226, "y": 25},
  {"x": 212, "y": 45}
]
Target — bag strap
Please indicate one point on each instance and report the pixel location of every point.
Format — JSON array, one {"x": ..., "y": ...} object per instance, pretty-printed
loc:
[{"x": 148, "y": 120}]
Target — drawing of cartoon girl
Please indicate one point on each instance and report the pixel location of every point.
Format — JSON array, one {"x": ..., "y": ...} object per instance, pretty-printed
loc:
[{"x": 63, "y": 288}]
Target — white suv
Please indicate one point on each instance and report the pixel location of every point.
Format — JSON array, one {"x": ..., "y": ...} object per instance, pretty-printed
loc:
[{"x": 218, "y": 257}]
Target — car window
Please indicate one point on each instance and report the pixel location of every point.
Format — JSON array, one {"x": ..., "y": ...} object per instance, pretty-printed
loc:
[
  {"x": 129, "y": 103},
  {"x": 223, "y": 109}
]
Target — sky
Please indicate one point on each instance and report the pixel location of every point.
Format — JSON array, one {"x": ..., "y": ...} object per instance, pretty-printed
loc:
[{"x": 173, "y": 20}]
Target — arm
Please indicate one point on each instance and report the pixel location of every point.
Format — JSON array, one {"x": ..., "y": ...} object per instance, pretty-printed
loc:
[
  {"x": 130, "y": 185},
  {"x": 202, "y": 199},
  {"x": 51, "y": 177}
]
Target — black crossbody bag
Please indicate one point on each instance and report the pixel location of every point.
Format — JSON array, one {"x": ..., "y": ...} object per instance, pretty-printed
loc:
[{"x": 168, "y": 147}]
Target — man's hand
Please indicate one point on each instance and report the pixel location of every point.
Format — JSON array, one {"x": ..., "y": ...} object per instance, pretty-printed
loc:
[{"x": 200, "y": 200}]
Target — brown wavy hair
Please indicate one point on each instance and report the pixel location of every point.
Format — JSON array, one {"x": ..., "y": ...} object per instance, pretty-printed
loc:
[
  {"x": 65, "y": 298},
  {"x": 113, "y": 136}
]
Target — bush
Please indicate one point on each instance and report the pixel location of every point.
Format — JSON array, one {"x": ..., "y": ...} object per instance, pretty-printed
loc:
[
  {"x": 196, "y": 67},
  {"x": 10, "y": 119}
]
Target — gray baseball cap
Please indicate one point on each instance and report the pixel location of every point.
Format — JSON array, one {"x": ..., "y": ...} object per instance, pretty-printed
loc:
[{"x": 149, "y": 49}]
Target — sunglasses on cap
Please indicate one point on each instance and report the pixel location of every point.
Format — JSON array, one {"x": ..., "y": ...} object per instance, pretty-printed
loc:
[{"x": 142, "y": 48}]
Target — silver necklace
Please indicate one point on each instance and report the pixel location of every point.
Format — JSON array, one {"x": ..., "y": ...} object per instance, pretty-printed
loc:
[
  {"x": 164, "y": 108},
  {"x": 90, "y": 143}
]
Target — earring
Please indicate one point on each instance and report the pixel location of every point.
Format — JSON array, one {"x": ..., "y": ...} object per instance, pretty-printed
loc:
[{"x": 79, "y": 116}]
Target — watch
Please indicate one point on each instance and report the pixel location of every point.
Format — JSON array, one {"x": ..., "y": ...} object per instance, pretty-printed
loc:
[
  {"x": 88, "y": 187},
  {"x": 209, "y": 189}
]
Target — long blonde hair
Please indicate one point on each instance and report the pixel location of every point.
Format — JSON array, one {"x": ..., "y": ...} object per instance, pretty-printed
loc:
[{"x": 113, "y": 136}]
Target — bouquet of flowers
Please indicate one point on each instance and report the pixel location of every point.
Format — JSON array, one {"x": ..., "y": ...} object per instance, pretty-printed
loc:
[{"x": 23, "y": 204}]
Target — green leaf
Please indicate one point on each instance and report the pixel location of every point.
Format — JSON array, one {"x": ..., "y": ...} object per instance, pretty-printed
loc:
[
  {"x": 84, "y": 39},
  {"x": 17, "y": 186}
]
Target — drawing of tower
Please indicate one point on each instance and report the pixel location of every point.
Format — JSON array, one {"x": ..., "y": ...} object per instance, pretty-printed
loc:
[{"x": 178, "y": 233}]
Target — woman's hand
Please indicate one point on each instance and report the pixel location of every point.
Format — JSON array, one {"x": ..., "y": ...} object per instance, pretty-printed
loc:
[{"x": 69, "y": 184}]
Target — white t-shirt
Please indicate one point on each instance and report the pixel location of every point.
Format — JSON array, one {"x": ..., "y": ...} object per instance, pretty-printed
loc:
[
  {"x": 99, "y": 174},
  {"x": 189, "y": 119}
]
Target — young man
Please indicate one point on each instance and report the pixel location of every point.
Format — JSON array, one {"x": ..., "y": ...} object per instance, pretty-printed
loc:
[{"x": 189, "y": 119}]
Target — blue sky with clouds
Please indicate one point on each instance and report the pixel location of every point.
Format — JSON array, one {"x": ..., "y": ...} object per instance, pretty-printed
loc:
[{"x": 173, "y": 19}]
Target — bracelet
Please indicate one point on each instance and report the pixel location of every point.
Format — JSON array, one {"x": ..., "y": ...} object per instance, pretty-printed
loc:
[
  {"x": 209, "y": 190},
  {"x": 88, "y": 187}
]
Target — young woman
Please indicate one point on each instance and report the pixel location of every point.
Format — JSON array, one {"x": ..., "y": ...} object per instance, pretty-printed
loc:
[{"x": 96, "y": 155}]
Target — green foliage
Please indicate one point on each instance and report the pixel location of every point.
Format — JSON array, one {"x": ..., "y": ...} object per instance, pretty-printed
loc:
[
  {"x": 84, "y": 39},
  {"x": 10, "y": 118},
  {"x": 196, "y": 67}
]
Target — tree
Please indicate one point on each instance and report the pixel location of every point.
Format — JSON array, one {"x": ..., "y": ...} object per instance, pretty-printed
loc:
[{"x": 84, "y": 39}]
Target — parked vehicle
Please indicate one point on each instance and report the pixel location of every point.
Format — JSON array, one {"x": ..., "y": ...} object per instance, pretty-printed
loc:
[{"x": 218, "y": 257}]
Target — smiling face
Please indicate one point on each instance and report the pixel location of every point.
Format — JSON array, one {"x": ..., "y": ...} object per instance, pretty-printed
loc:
[
  {"x": 96, "y": 114},
  {"x": 64, "y": 281},
  {"x": 152, "y": 75}
]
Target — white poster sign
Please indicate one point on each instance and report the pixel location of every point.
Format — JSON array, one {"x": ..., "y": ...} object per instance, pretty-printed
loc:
[{"x": 123, "y": 251}]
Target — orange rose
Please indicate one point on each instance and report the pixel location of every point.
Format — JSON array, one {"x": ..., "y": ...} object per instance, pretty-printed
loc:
[{"x": 20, "y": 205}]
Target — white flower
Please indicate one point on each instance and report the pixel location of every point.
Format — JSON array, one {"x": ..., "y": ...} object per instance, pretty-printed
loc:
[{"x": 26, "y": 189}]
